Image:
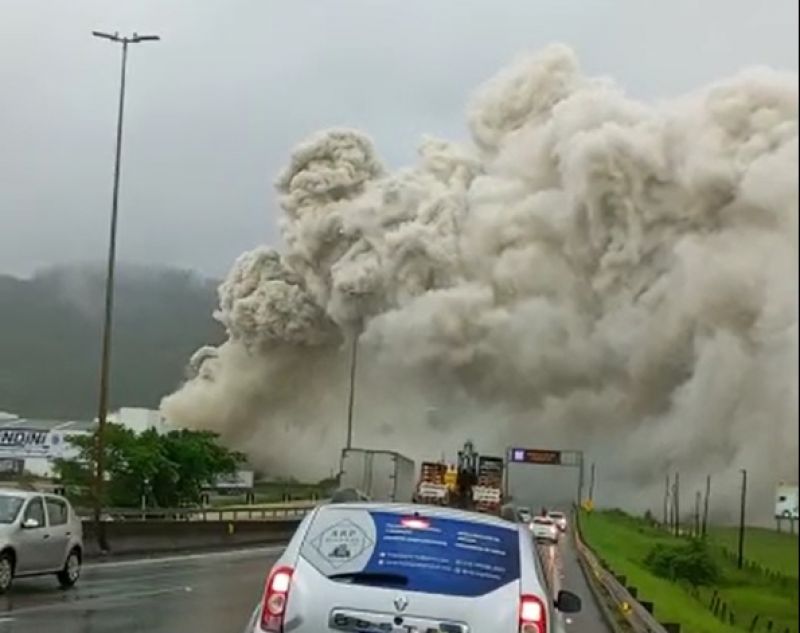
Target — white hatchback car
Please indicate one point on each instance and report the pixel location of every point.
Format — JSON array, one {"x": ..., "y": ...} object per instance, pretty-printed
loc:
[
  {"x": 39, "y": 534},
  {"x": 544, "y": 529},
  {"x": 394, "y": 568}
]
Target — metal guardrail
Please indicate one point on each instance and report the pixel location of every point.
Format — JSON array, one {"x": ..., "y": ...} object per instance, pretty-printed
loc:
[
  {"x": 272, "y": 512},
  {"x": 635, "y": 615}
]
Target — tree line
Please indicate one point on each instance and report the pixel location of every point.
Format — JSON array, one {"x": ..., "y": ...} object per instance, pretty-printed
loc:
[{"x": 167, "y": 470}]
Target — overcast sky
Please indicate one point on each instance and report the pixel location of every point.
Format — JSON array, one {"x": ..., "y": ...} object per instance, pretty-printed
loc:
[{"x": 215, "y": 107}]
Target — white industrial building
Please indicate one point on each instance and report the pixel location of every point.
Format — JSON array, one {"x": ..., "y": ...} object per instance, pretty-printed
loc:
[
  {"x": 139, "y": 420},
  {"x": 31, "y": 445}
]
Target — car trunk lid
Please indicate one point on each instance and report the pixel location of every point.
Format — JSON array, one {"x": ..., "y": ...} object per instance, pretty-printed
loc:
[{"x": 385, "y": 572}]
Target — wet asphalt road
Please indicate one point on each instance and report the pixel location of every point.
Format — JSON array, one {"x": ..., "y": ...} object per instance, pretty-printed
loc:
[
  {"x": 200, "y": 593},
  {"x": 205, "y": 593},
  {"x": 561, "y": 564}
]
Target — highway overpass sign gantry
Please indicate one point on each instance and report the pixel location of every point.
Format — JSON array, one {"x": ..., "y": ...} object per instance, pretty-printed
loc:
[{"x": 545, "y": 457}]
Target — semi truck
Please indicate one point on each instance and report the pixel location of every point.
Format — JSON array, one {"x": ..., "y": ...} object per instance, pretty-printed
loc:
[
  {"x": 487, "y": 494},
  {"x": 378, "y": 474},
  {"x": 786, "y": 502},
  {"x": 432, "y": 485},
  {"x": 475, "y": 482}
]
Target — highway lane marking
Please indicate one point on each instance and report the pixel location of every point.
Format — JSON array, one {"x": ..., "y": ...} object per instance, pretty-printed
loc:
[{"x": 187, "y": 557}]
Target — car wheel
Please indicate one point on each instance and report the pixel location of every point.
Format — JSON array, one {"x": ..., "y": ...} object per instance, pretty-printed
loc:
[
  {"x": 68, "y": 576},
  {"x": 6, "y": 571}
]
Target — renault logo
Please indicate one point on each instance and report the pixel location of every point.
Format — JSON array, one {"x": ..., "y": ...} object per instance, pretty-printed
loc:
[{"x": 401, "y": 603}]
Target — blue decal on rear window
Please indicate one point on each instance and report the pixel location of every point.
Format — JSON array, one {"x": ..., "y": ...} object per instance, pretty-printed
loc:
[{"x": 445, "y": 556}]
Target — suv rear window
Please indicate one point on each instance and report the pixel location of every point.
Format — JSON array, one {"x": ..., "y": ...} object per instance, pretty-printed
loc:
[{"x": 427, "y": 554}]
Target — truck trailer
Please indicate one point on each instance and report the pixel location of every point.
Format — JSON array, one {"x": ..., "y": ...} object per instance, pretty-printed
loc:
[
  {"x": 786, "y": 502},
  {"x": 380, "y": 475}
]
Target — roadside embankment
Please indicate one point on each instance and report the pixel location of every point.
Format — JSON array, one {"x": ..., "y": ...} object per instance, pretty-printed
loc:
[{"x": 756, "y": 599}]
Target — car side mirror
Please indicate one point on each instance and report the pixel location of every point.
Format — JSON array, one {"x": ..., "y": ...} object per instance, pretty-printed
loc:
[
  {"x": 568, "y": 602},
  {"x": 30, "y": 524}
]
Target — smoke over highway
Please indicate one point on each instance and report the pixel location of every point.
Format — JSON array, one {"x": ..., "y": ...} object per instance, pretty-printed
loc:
[{"x": 588, "y": 271}]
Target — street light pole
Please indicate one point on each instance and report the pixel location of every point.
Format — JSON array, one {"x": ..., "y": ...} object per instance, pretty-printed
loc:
[{"x": 105, "y": 359}]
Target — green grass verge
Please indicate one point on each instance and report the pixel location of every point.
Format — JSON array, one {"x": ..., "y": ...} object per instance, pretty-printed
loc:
[
  {"x": 624, "y": 542},
  {"x": 768, "y": 548}
]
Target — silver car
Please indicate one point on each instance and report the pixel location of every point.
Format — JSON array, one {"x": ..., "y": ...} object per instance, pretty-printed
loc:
[
  {"x": 560, "y": 519},
  {"x": 39, "y": 534},
  {"x": 544, "y": 529},
  {"x": 393, "y": 568}
]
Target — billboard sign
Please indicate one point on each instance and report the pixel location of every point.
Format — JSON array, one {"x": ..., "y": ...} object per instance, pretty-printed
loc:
[
  {"x": 535, "y": 456},
  {"x": 24, "y": 439},
  {"x": 21, "y": 443},
  {"x": 240, "y": 480}
]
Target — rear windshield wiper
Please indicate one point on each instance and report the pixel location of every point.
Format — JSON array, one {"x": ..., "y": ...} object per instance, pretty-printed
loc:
[{"x": 377, "y": 579}]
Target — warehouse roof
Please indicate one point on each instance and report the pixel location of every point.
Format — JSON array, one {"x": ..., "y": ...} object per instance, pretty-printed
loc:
[{"x": 10, "y": 421}]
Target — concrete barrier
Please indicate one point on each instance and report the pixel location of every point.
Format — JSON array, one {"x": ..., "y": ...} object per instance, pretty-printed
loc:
[{"x": 145, "y": 537}]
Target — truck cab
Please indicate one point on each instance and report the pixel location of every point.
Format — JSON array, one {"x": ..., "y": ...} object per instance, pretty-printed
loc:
[{"x": 786, "y": 502}]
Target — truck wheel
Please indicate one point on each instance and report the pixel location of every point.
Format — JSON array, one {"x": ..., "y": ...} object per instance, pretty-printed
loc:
[
  {"x": 68, "y": 576},
  {"x": 6, "y": 571}
]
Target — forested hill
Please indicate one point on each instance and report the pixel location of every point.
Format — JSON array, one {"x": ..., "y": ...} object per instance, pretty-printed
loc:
[{"x": 50, "y": 328}]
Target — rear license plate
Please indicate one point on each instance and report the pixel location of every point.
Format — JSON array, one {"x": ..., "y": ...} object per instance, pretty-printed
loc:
[{"x": 384, "y": 623}]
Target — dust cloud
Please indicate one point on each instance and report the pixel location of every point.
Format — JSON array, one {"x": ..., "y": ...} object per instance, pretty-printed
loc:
[{"x": 588, "y": 272}]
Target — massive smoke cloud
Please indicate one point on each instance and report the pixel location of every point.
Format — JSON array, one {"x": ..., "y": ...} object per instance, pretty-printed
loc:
[{"x": 589, "y": 271}]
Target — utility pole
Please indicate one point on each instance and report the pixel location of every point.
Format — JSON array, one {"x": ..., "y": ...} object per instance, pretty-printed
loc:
[
  {"x": 507, "y": 475},
  {"x": 740, "y": 560},
  {"x": 677, "y": 503},
  {"x": 705, "y": 506},
  {"x": 666, "y": 502},
  {"x": 697, "y": 498},
  {"x": 352, "y": 391},
  {"x": 591, "y": 484},
  {"x": 105, "y": 359}
]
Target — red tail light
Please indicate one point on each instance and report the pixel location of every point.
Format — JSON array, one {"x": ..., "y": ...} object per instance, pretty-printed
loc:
[
  {"x": 532, "y": 615},
  {"x": 276, "y": 593}
]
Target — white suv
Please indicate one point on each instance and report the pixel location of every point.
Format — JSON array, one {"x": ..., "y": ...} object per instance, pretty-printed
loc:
[
  {"x": 544, "y": 529},
  {"x": 393, "y": 568},
  {"x": 560, "y": 519},
  {"x": 39, "y": 534}
]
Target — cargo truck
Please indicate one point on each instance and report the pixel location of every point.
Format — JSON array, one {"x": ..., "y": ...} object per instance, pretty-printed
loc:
[
  {"x": 786, "y": 502},
  {"x": 475, "y": 483},
  {"x": 380, "y": 475},
  {"x": 432, "y": 487},
  {"x": 487, "y": 494}
]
